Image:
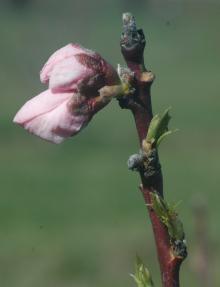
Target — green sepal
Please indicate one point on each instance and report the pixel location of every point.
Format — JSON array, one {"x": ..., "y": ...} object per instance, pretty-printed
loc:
[{"x": 142, "y": 276}]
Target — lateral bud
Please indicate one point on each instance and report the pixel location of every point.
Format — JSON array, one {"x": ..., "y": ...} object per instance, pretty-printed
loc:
[
  {"x": 169, "y": 217},
  {"x": 146, "y": 163}
]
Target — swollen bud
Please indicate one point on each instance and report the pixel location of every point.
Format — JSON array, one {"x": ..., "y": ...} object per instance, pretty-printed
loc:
[{"x": 75, "y": 76}]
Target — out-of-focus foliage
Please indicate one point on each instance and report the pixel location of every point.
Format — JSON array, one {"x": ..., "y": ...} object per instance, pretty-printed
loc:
[{"x": 71, "y": 215}]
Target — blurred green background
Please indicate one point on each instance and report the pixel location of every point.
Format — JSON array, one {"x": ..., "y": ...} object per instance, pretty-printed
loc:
[{"x": 72, "y": 214}]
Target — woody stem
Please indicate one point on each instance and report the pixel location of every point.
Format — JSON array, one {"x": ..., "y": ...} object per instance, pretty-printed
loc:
[{"x": 132, "y": 48}]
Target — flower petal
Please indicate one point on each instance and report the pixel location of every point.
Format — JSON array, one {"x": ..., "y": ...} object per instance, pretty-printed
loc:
[
  {"x": 39, "y": 105},
  {"x": 50, "y": 116},
  {"x": 67, "y": 51},
  {"x": 57, "y": 125},
  {"x": 67, "y": 73}
]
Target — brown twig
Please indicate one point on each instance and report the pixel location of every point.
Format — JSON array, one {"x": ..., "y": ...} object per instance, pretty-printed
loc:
[{"x": 132, "y": 47}]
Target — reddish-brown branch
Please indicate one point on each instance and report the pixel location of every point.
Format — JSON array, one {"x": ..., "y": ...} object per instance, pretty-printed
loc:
[
  {"x": 169, "y": 265},
  {"x": 142, "y": 111}
]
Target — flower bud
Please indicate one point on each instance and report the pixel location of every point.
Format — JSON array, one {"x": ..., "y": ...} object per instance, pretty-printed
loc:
[{"x": 75, "y": 75}]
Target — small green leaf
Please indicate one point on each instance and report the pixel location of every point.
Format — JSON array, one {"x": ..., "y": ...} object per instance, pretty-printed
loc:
[
  {"x": 158, "y": 128},
  {"x": 158, "y": 125},
  {"x": 164, "y": 135},
  {"x": 142, "y": 275}
]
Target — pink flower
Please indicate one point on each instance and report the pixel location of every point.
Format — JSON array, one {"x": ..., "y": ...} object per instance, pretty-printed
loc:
[
  {"x": 67, "y": 66},
  {"x": 74, "y": 75}
]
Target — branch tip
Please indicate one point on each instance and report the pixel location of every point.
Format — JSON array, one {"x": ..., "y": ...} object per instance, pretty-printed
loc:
[
  {"x": 128, "y": 21},
  {"x": 132, "y": 40}
]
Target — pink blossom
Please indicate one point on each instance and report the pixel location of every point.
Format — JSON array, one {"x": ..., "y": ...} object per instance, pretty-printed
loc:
[
  {"x": 74, "y": 75},
  {"x": 67, "y": 66}
]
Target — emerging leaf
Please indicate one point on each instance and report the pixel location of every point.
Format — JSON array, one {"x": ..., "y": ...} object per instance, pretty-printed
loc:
[
  {"x": 142, "y": 275},
  {"x": 168, "y": 216},
  {"x": 158, "y": 130}
]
